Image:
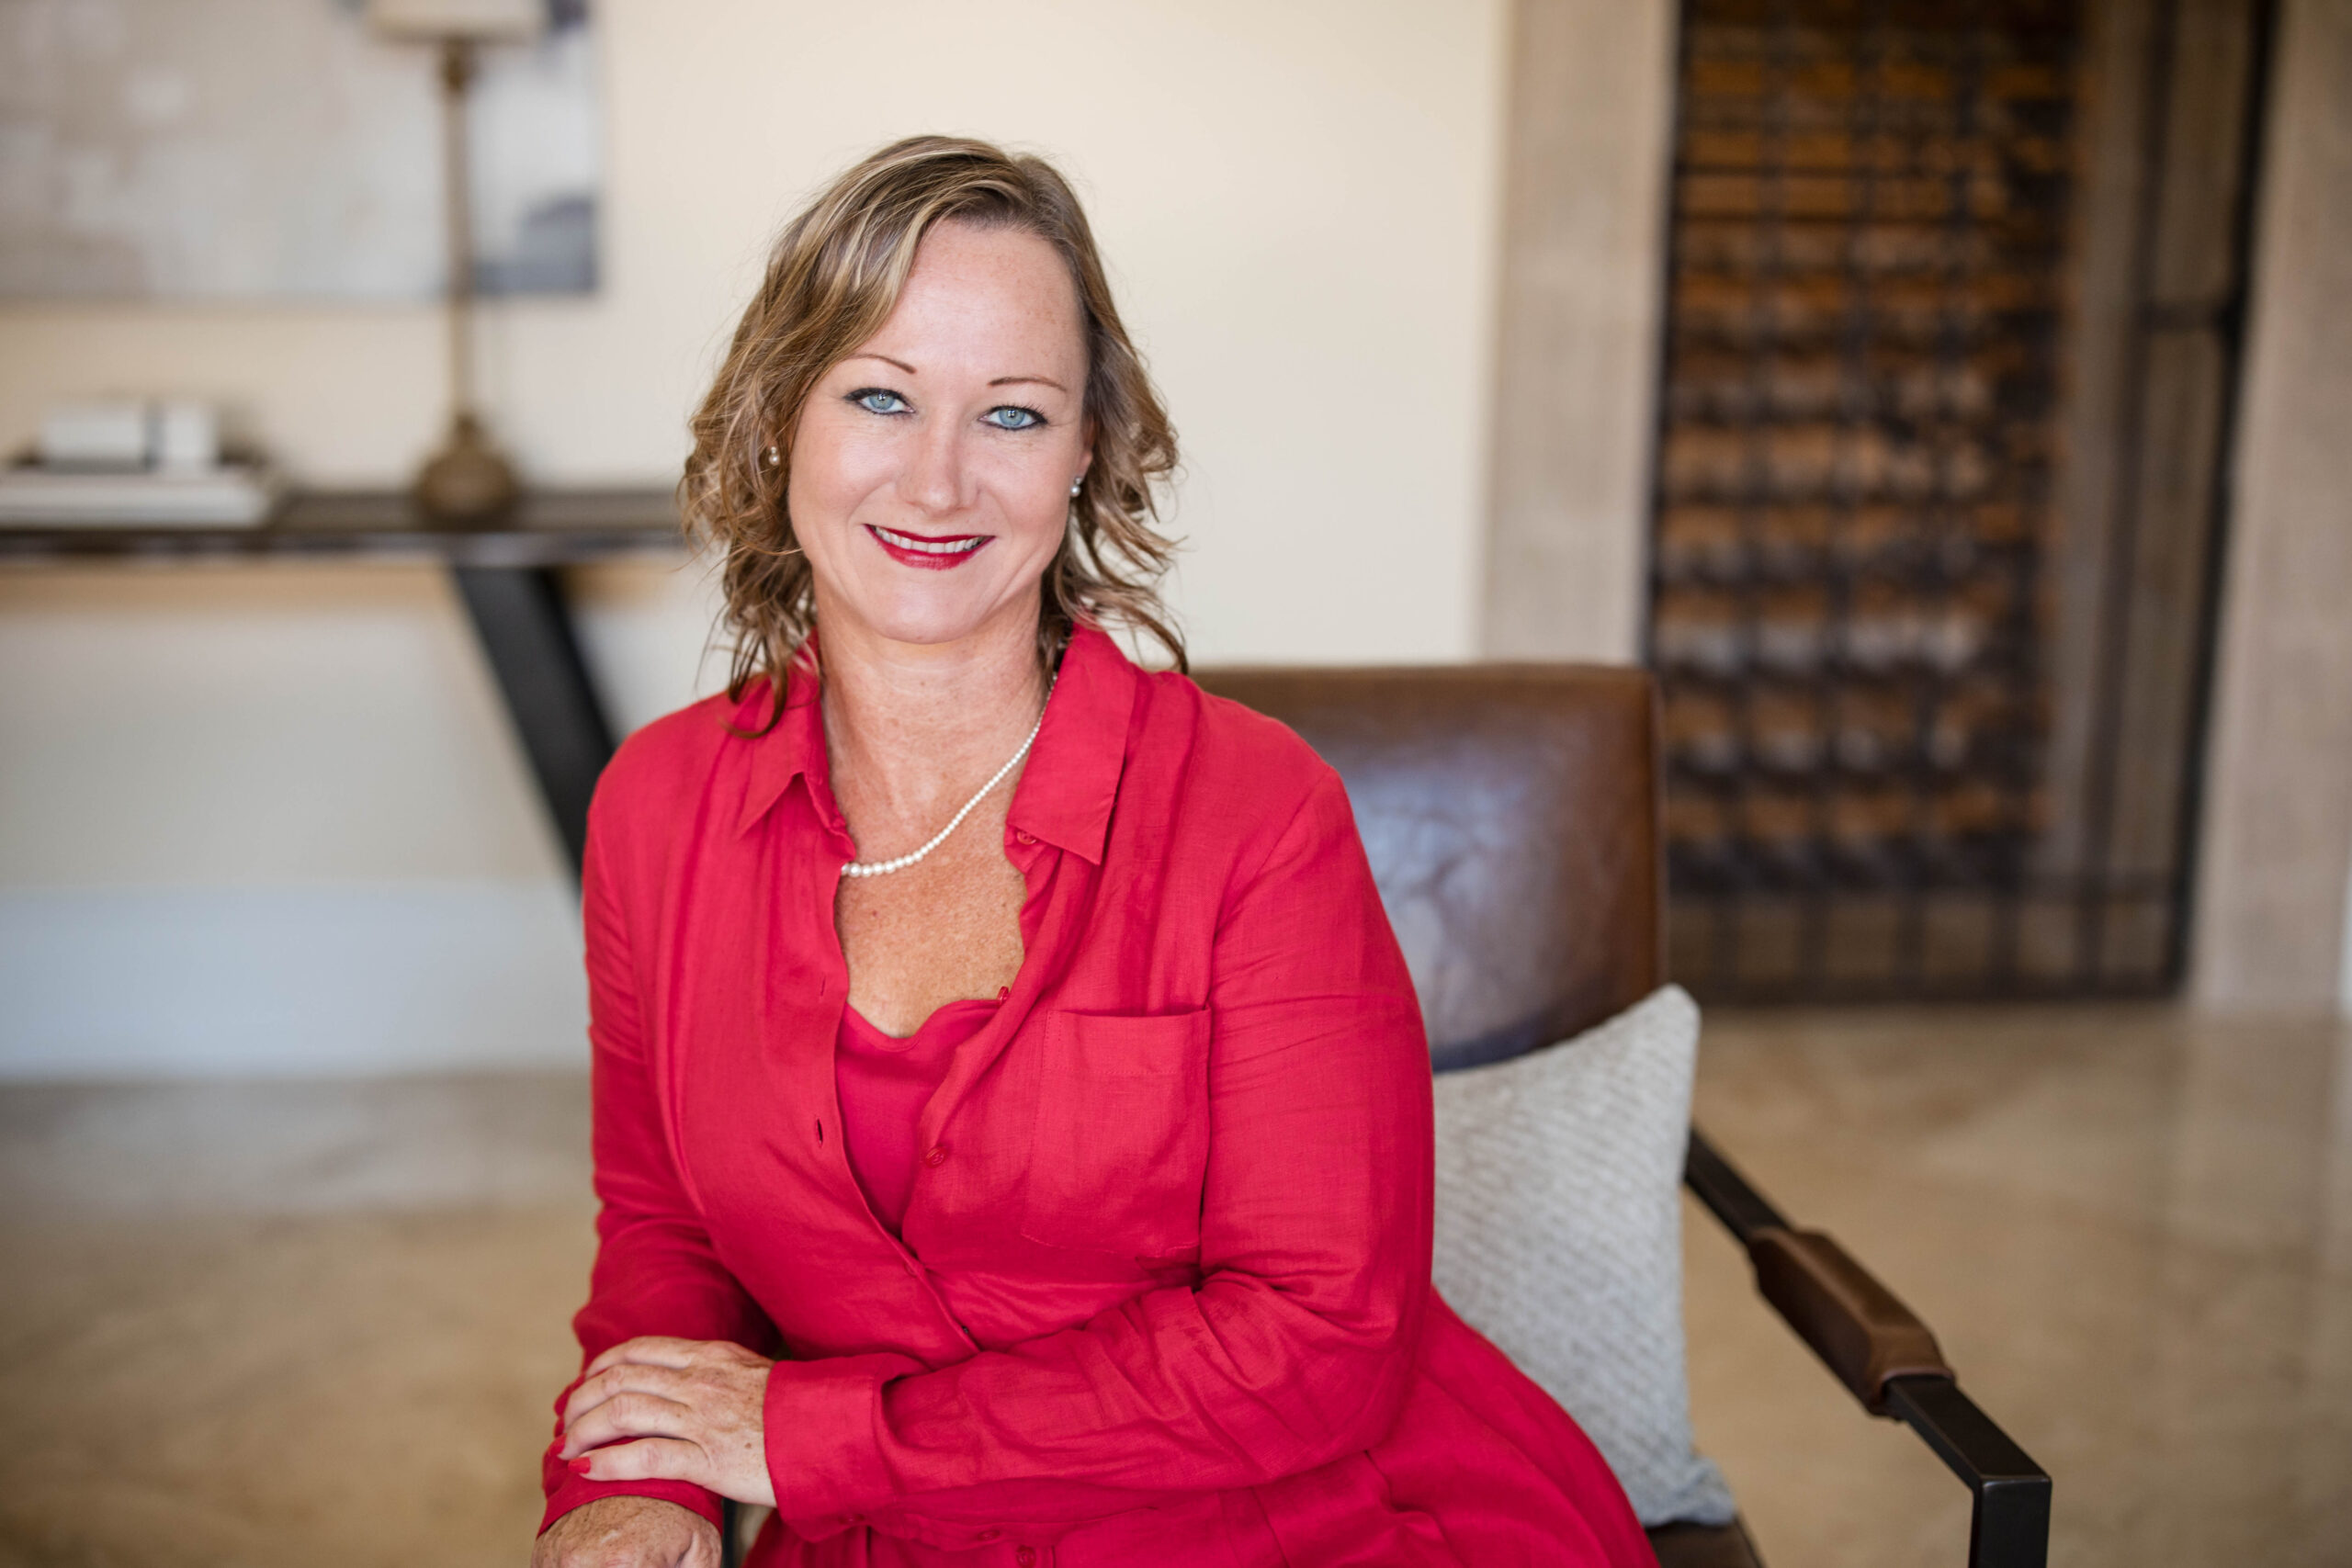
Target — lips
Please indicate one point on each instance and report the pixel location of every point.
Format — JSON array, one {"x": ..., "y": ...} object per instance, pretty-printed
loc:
[{"x": 940, "y": 553}]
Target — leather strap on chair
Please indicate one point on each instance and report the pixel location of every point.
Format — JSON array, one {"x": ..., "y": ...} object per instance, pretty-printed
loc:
[{"x": 1858, "y": 1326}]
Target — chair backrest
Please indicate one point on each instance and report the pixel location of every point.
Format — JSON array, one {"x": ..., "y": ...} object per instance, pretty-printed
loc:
[{"x": 1510, "y": 812}]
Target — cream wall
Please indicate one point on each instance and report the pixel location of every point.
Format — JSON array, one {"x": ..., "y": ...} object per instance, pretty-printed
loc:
[
  {"x": 269, "y": 819},
  {"x": 1298, "y": 202},
  {"x": 2273, "y": 930}
]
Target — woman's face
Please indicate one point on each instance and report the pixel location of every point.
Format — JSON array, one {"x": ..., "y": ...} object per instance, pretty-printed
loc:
[{"x": 930, "y": 471}]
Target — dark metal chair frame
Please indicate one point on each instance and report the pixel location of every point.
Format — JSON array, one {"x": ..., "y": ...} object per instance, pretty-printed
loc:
[{"x": 1840, "y": 1309}]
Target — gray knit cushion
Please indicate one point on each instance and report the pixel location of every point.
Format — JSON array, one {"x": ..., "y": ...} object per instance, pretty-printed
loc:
[{"x": 1559, "y": 1236}]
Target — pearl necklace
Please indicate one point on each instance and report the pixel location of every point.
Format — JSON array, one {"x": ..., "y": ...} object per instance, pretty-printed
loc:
[{"x": 877, "y": 868}]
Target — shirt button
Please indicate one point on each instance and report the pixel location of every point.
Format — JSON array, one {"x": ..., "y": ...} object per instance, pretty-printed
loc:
[
  {"x": 937, "y": 1157},
  {"x": 1026, "y": 1556},
  {"x": 1025, "y": 839}
]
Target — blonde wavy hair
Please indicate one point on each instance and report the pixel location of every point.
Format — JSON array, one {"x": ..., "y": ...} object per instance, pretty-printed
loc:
[{"x": 831, "y": 281}]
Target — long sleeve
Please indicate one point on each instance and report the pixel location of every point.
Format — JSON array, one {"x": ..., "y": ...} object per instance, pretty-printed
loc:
[
  {"x": 1298, "y": 1343},
  {"x": 656, "y": 1272}
]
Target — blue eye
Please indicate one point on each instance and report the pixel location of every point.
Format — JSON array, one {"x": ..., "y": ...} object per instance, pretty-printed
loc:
[
  {"x": 878, "y": 399},
  {"x": 1013, "y": 417}
]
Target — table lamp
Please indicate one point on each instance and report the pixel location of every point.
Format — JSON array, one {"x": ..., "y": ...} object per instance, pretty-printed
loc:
[{"x": 467, "y": 480}]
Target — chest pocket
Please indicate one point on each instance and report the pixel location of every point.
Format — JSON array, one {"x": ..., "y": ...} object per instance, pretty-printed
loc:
[{"x": 1121, "y": 1143}]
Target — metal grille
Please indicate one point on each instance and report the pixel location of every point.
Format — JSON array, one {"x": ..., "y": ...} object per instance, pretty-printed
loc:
[{"x": 1856, "y": 509}]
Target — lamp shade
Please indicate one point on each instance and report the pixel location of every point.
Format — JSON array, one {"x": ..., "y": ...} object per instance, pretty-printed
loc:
[{"x": 486, "y": 21}]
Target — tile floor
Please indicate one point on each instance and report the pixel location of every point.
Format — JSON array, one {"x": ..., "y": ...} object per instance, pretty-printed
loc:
[{"x": 320, "y": 1324}]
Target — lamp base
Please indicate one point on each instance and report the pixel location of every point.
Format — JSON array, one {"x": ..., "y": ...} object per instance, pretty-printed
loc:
[{"x": 467, "y": 482}]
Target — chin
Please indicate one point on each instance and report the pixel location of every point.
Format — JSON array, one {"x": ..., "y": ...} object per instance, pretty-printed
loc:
[{"x": 931, "y": 619}]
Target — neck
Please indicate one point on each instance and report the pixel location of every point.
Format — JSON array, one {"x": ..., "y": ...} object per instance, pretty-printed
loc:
[{"x": 913, "y": 727}]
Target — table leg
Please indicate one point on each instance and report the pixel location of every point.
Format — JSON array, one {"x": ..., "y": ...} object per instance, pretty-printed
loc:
[{"x": 525, "y": 631}]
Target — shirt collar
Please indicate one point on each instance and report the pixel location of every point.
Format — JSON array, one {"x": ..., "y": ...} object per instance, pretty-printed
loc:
[
  {"x": 1066, "y": 791},
  {"x": 1072, "y": 777},
  {"x": 794, "y": 745}
]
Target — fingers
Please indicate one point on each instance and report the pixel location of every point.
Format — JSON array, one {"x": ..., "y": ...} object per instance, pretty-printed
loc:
[
  {"x": 649, "y": 1459},
  {"x": 654, "y": 1350},
  {"x": 674, "y": 1403},
  {"x": 628, "y": 1416},
  {"x": 629, "y": 1377}
]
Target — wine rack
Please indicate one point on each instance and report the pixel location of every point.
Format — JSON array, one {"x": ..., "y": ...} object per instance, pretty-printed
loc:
[{"x": 1854, "y": 489}]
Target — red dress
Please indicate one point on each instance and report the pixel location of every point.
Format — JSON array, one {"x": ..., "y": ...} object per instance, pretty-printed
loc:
[{"x": 1162, "y": 1290}]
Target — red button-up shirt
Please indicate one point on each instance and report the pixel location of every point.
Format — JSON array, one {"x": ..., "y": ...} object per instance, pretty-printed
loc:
[{"x": 1161, "y": 1291}]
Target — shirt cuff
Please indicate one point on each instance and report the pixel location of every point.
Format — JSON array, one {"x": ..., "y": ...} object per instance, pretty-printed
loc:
[
  {"x": 823, "y": 1425},
  {"x": 576, "y": 1490}
]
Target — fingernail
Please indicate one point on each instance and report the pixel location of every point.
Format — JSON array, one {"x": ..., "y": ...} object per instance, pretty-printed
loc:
[{"x": 580, "y": 1465}]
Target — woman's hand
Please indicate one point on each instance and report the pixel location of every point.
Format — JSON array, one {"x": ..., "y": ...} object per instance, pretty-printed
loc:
[
  {"x": 629, "y": 1532},
  {"x": 674, "y": 1410}
]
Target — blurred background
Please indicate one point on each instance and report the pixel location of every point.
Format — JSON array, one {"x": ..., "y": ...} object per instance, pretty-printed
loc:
[{"x": 1953, "y": 402}]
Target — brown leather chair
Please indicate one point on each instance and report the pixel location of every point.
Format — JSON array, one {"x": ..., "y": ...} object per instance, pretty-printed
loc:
[{"x": 1511, "y": 816}]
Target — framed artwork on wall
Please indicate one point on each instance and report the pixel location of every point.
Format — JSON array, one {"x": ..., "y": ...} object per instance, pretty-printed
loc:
[{"x": 251, "y": 150}]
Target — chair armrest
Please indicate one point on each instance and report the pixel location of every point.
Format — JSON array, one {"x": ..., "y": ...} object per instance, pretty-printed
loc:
[
  {"x": 1853, "y": 1323},
  {"x": 1886, "y": 1358},
  {"x": 1858, "y": 1327}
]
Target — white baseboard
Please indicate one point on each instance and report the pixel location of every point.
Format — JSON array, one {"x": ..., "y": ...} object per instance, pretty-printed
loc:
[{"x": 289, "y": 982}]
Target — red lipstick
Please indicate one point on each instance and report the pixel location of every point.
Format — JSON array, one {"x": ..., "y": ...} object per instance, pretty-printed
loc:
[{"x": 932, "y": 552}]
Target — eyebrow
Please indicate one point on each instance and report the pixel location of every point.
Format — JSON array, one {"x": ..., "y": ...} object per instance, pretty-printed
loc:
[{"x": 1000, "y": 381}]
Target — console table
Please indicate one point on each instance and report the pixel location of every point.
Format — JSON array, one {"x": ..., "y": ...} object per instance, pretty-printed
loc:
[{"x": 508, "y": 576}]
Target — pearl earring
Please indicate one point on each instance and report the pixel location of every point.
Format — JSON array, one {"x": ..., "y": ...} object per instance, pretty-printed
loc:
[
  {"x": 771, "y": 458},
  {"x": 1078, "y": 484}
]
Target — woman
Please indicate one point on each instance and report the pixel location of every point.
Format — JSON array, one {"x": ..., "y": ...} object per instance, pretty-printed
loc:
[{"x": 1007, "y": 1040}]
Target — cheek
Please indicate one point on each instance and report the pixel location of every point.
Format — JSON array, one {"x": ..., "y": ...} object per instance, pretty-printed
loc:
[
  {"x": 1033, "y": 527},
  {"x": 829, "y": 474},
  {"x": 804, "y": 481},
  {"x": 1034, "y": 492}
]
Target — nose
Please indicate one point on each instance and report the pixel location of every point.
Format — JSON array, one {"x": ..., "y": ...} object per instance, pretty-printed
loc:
[{"x": 933, "y": 479}]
